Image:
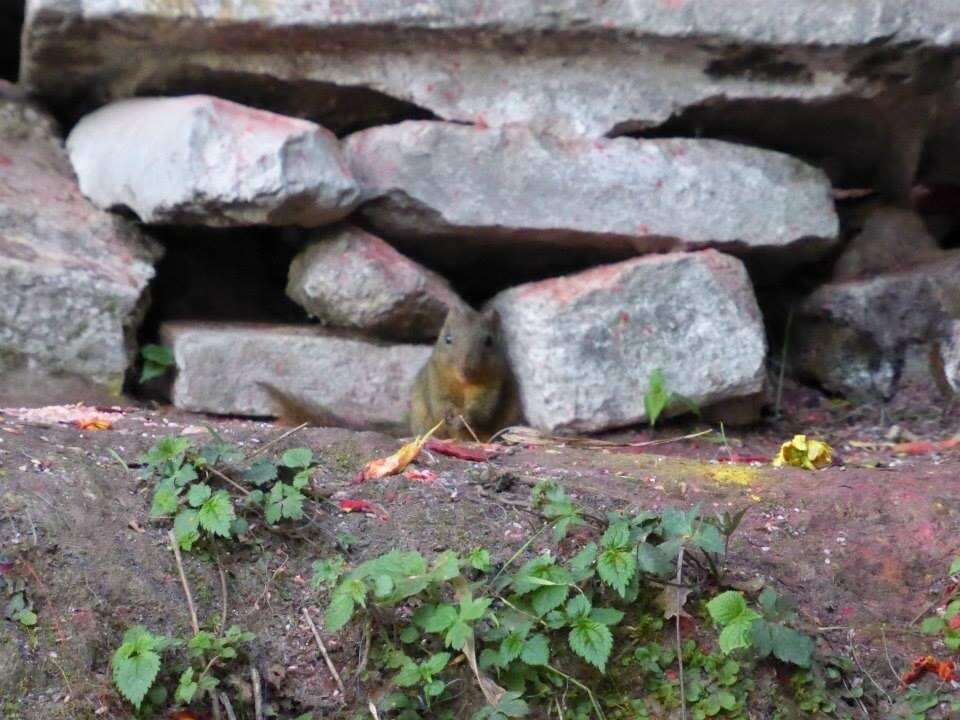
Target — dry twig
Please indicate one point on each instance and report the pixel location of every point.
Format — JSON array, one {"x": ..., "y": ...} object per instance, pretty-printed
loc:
[{"x": 326, "y": 655}]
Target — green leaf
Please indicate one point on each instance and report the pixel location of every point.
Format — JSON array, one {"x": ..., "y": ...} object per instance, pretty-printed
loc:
[
  {"x": 656, "y": 397},
  {"x": 445, "y": 567},
  {"x": 160, "y": 354},
  {"x": 408, "y": 676},
  {"x": 581, "y": 564},
  {"x": 261, "y": 472},
  {"x": 954, "y": 567},
  {"x": 152, "y": 370},
  {"x": 735, "y": 635},
  {"x": 479, "y": 559},
  {"x": 27, "y": 618},
  {"x": 727, "y": 607},
  {"x": 167, "y": 449},
  {"x": 164, "y": 499},
  {"x": 511, "y": 647},
  {"x": 186, "y": 688},
  {"x": 135, "y": 667},
  {"x": 297, "y": 458},
  {"x": 761, "y": 639},
  {"x": 512, "y": 705},
  {"x": 677, "y": 523},
  {"x": 436, "y": 618},
  {"x": 548, "y": 598},
  {"x": 617, "y": 536},
  {"x": 338, "y": 612},
  {"x": 458, "y": 634},
  {"x": 216, "y": 514},
  {"x": 592, "y": 641},
  {"x": 434, "y": 688},
  {"x": 186, "y": 528},
  {"x": 302, "y": 478},
  {"x": 768, "y": 602},
  {"x": 436, "y": 663},
  {"x": 409, "y": 634},
  {"x": 197, "y": 494},
  {"x": 606, "y": 616},
  {"x": 327, "y": 571},
  {"x": 185, "y": 474},
  {"x": 709, "y": 538},
  {"x": 932, "y": 625},
  {"x": 284, "y": 501},
  {"x": 578, "y": 607},
  {"x": 473, "y": 609},
  {"x": 536, "y": 651},
  {"x": 652, "y": 560},
  {"x": 616, "y": 567},
  {"x": 382, "y": 586},
  {"x": 791, "y": 646}
]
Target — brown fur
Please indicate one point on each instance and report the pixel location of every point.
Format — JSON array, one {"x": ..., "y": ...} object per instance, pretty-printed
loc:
[{"x": 467, "y": 382}]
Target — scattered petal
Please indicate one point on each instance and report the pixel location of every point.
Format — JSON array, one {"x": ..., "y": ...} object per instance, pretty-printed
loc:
[
  {"x": 804, "y": 453},
  {"x": 382, "y": 467},
  {"x": 478, "y": 452},
  {"x": 424, "y": 476}
]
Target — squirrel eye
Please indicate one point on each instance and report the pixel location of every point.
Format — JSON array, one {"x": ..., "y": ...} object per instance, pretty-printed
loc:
[
  {"x": 448, "y": 339},
  {"x": 488, "y": 341}
]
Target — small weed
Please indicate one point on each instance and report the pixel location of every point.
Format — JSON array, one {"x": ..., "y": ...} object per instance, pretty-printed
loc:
[
  {"x": 157, "y": 361},
  {"x": 659, "y": 398},
  {"x": 542, "y": 636},
  {"x": 194, "y": 487}
]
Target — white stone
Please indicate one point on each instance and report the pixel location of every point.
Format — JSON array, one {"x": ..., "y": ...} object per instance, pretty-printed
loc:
[
  {"x": 583, "y": 347},
  {"x": 199, "y": 159},
  {"x": 246, "y": 369},
  {"x": 428, "y": 178}
]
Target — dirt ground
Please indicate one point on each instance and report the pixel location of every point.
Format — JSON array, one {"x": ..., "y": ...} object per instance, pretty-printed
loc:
[{"x": 862, "y": 546}]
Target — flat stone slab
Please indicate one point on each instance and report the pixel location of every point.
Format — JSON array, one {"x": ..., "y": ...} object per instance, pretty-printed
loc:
[
  {"x": 432, "y": 179},
  {"x": 72, "y": 277},
  {"x": 348, "y": 278},
  {"x": 200, "y": 159},
  {"x": 277, "y": 370},
  {"x": 583, "y": 347},
  {"x": 637, "y": 62}
]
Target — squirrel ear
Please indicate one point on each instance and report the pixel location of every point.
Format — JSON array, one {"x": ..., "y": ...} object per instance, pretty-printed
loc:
[{"x": 493, "y": 315}]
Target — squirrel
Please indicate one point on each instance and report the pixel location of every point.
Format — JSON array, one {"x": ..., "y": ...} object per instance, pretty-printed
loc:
[{"x": 467, "y": 382}]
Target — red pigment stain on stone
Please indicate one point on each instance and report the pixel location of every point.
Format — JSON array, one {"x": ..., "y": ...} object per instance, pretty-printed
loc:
[
  {"x": 565, "y": 290},
  {"x": 252, "y": 120},
  {"x": 673, "y": 4},
  {"x": 5, "y": 161}
]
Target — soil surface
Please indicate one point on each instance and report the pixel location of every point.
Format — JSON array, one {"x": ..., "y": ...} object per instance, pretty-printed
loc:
[{"x": 862, "y": 546}]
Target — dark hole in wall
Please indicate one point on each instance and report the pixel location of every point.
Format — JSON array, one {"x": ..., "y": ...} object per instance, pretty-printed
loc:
[
  {"x": 859, "y": 143},
  {"x": 479, "y": 269},
  {"x": 340, "y": 109},
  {"x": 11, "y": 24},
  {"x": 222, "y": 275}
]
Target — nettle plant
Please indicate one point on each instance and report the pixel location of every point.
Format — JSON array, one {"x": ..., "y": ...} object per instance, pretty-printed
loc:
[
  {"x": 947, "y": 625},
  {"x": 550, "y": 627},
  {"x": 194, "y": 487},
  {"x": 138, "y": 668}
]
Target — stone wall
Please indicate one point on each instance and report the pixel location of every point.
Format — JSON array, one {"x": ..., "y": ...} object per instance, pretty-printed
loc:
[{"x": 616, "y": 178}]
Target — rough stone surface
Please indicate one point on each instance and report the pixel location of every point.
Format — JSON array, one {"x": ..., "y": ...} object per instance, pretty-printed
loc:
[
  {"x": 439, "y": 179},
  {"x": 71, "y": 277},
  {"x": 256, "y": 370},
  {"x": 349, "y": 278},
  {"x": 637, "y": 61},
  {"x": 583, "y": 347},
  {"x": 199, "y": 159},
  {"x": 949, "y": 350},
  {"x": 851, "y": 337}
]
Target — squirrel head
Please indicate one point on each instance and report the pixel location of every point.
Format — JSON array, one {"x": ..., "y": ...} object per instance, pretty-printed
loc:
[{"x": 470, "y": 345}]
